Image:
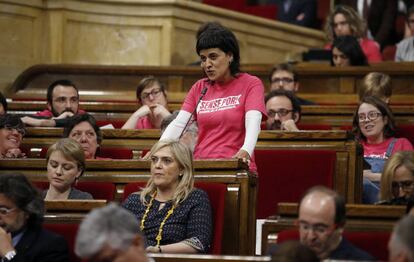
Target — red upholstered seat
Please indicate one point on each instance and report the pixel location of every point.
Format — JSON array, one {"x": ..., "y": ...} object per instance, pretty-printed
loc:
[
  {"x": 266, "y": 11},
  {"x": 406, "y": 131},
  {"x": 99, "y": 190},
  {"x": 216, "y": 193},
  {"x": 115, "y": 123},
  {"x": 314, "y": 127},
  {"x": 236, "y": 5},
  {"x": 373, "y": 242},
  {"x": 68, "y": 231},
  {"x": 284, "y": 175}
]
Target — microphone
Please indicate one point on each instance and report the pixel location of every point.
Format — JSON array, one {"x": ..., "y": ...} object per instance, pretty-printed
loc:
[{"x": 202, "y": 94}]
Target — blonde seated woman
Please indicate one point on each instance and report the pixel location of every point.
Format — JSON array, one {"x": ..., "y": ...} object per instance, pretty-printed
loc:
[
  {"x": 174, "y": 216},
  {"x": 65, "y": 165},
  {"x": 397, "y": 180}
]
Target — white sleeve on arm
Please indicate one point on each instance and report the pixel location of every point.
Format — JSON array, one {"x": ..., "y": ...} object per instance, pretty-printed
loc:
[
  {"x": 174, "y": 129},
  {"x": 252, "y": 125}
]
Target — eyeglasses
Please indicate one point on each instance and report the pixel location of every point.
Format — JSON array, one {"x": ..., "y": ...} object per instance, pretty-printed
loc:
[
  {"x": 319, "y": 229},
  {"x": 281, "y": 112},
  {"x": 372, "y": 115},
  {"x": 154, "y": 93},
  {"x": 284, "y": 80},
  {"x": 404, "y": 185},
  {"x": 5, "y": 211},
  {"x": 20, "y": 130}
]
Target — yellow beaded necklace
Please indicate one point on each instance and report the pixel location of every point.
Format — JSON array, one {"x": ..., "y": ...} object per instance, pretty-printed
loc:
[{"x": 169, "y": 213}]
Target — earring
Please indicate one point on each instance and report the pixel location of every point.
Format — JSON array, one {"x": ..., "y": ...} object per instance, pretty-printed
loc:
[
  {"x": 181, "y": 174},
  {"x": 230, "y": 60}
]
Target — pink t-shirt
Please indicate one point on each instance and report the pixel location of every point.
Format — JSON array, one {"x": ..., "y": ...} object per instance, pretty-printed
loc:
[
  {"x": 370, "y": 48},
  {"x": 221, "y": 115},
  {"x": 379, "y": 150},
  {"x": 144, "y": 123},
  {"x": 48, "y": 113}
]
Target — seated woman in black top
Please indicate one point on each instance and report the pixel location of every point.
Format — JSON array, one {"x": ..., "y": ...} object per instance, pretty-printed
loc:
[{"x": 174, "y": 216}]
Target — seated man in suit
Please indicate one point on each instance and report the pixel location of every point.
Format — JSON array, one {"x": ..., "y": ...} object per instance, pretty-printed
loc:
[
  {"x": 283, "y": 110},
  {"x": 401, "y": 244},
  {"x": 321, "y": 223},
  {"x": 297, "y": 12},
  {"x": 22, "y": 238},
  {"x": 62, "y": 104},
  {"x": 110, "y": 233},
  {"x": 284, "y": 76}
]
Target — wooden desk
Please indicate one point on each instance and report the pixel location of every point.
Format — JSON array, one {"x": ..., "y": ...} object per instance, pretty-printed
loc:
[
  {"x": 204, "y": 258},
  {"x": 358, "y": 218},
  {"x": 240, "y": 204}
]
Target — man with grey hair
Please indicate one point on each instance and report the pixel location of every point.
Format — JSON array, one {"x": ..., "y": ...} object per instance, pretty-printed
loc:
[
  {"x": 110, "y": 233},
  {"x": 401, "y": 245}
]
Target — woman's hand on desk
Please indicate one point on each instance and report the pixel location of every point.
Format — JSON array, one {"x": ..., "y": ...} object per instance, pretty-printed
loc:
[{"x": 243, "y": 155}]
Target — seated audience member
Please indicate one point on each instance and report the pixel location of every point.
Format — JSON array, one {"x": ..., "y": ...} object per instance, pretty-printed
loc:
[
  {"x": 405, "y": 49},
  {"x": 65, "y": 165},
  {"x": 190, "y": 134},
  {"x": 152, "y": 97},
  {"x": 397, "y": 180},
  {"x": 346, "y": 52},
  {"x": 283, "y": 110},
  {"x": 22, "y": 237},
  {"x": 321, "y": 222},
  {"x": 174, "y": 216},
  {"x": 376, "y": 84},
  {"x": 12, "y": 131},
  {"x": 62, "y": 104},
  {"x": 401, "y": 244},
  {"x": 374, "y": 127},
  {"x": 284, "y": 76},
  {"x": 83, "y": 129},
  {"x": 345, "y": 21},
  {"x": 297, "y": 12},
  {"x": 294, "y": 251},
  {"x": 3, "y": 104},
  {"x": 110, "y": 233}
]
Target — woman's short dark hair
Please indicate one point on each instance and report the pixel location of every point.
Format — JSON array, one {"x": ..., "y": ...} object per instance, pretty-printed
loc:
[
  {"x": 389, "y": 128},
  {"x": 148, "y": 81},
  {"x": 77, "y": 119},
  {"x": 214, "y": 35},
  {"x": 350, "y": 46},
  {"x": 3, "y": 102},
  {"x": 18, "y": 189},
  {"x": 12, "y": 121}
]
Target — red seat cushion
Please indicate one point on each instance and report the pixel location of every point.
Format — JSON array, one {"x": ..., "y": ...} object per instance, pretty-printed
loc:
[
  {"x": 406, "y": 131},
  {"x": 68, "y": 231},
  {"x": 373, "y": 242},
  {"x": 216, "y": 194},
  {"x": 284, "y": 175}
]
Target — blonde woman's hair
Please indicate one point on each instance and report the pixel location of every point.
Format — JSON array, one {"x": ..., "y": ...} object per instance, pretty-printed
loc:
[
  {"x": 356, "y": 24},
  {"x": 400, "y": 158},
  {"x": 184, "y": 158},
  {"x": 71, "y": 149},
  {"x": 376, "y": 84}
]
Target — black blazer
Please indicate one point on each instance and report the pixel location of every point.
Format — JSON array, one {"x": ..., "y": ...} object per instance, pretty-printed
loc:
[
  {"x": 307, "y": 7},
  {"x": 381, "y": 19},
  {"x": 40, "y": 245}
]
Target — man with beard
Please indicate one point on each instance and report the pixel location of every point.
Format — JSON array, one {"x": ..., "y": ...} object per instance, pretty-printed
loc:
[
  {"x": 321, "y": 224},
  {"x": 62, "y": 104},
  {"x": 22, "y": 238},
  {"x": 283, "y": 110}
]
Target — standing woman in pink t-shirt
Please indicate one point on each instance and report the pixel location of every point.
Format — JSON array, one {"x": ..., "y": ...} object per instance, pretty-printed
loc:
[
  {"x": 375, "y": 128},
  {"x": 152, "y": 97},
  {"x": 228, "y": 105}
]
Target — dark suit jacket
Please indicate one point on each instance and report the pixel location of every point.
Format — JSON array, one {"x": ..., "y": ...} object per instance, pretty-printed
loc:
[
  {"x": 307, "y": 7},
  {"x": 39, "y": 245},
  {"x": 381, "y": 19},
  {"x": 347, "y": 251}
]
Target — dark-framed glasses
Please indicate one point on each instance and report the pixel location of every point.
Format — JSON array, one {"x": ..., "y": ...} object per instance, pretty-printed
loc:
[
  {"x": 154, "y": 93},
  {"x": 284, "y": 80},
  {"x": 372, "y": 115},
  {"x": 20, "y": 130},
  {"x": 5, "y": 211},
  {"x": 281, "y": 112},
  {"x": 404, "y": 185}
]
